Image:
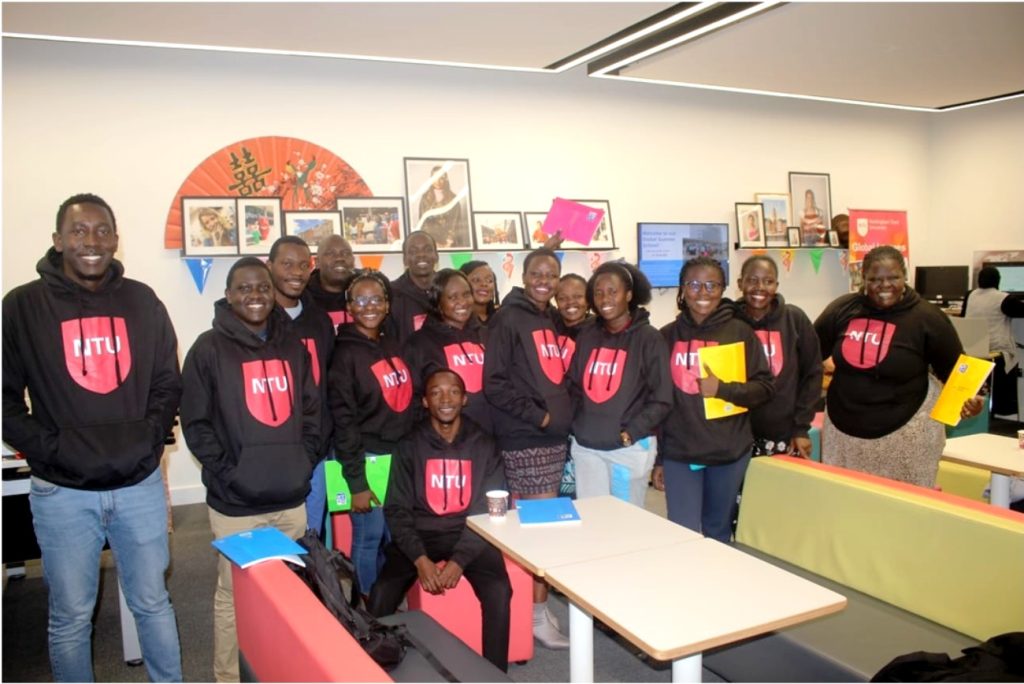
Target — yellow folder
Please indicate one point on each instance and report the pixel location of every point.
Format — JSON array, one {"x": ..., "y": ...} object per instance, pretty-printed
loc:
[
  {"x": 966, "y": 378},
  {"x": 729, "y": 363}
]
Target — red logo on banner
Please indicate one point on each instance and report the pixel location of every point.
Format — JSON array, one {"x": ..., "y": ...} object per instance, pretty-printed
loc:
[
  {"x": 603, "y": 373},
  {"x": 444, "y": 474},
  {"x": 314, "y": 358},
  {"x": 866, "y": 342},
  {"x": 552, "y": 352},
  {"x": 96, "y": 350},
  {"x": 339, "y": 317},
  {"x": 685, "y": 364},
  {"x": 771, "y": 342},
  {"x": 268, "y": 390},
  {"x": 467, "y": 359},
  {"x": 395, "y": 382}
]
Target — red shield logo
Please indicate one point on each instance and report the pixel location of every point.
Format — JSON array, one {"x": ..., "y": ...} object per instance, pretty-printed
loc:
[
  {"x": 685, "y": 364},
  {"x": 395, "y": 382},
  {"x": 339, "y": 317},
  {"x": 314, "y": 358},
  {"x": 97, "y": 352},
  {"x": 602, "y": 375},
  {"x": 418, "y": 320},
  {"x": 771, "y": 342},
  {"x": 551, "y": 353},
  {"x": 568, "y": 346},
  {"x": 268, "y": 390},
  {"x": 467, "y": 359},
  {"x": 444, "y": 475},
  {"x": 866, "y": 342}
]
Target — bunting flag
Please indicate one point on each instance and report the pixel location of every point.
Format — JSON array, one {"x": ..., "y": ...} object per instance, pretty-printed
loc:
[
  {"x": 459, "y": 258},
  {"x": 844, "y": 260},
  {"x": 312, "y": 262},
  {"x": 371, "y": 261},
  {"x": 508, "y": 265},
  {"x": 200, "y": 270},
  {"x": 759, "y": 251},
  {"x": 816, "y": 258},
  {"x": 787, "y": 260},
  {"x": 595, "y": 260},
  {"x": 560, "y": 256}
]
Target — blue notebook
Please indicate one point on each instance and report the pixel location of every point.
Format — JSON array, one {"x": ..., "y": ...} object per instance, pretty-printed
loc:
[
  {"x": 547, "y": 511},
  {"x": 255, "y": 546}
]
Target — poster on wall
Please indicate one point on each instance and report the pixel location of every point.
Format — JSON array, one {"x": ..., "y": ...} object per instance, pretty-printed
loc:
[{"x": 870, "y": 228}]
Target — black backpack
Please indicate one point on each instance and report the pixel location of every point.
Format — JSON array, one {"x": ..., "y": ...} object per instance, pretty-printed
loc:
[{"x": 1000, "y": 659}]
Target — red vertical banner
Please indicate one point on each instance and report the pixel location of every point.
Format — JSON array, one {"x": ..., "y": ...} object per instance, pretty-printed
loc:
[{"x": 870, "y": 228}]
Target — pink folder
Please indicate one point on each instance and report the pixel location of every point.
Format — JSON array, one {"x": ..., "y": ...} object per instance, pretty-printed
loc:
[{"x": 576, "y": 221}]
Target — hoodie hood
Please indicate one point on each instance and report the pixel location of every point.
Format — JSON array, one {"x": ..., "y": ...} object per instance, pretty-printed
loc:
[
  {"x": 775, "y": 310},
  {"x": 227, "y": 323},
  {"x": 517, "y": 299},
  {"x": 725, "y": 312},
  {"x": 51, "y": 270}
]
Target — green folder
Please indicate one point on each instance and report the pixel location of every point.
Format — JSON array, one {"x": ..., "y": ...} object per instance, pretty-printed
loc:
[{"x": 339, "y": 497}]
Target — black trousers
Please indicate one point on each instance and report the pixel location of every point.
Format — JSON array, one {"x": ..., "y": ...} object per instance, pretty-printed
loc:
[
  {"x": 486, "y": 574},
  {"x": 1004, "y": 389}
]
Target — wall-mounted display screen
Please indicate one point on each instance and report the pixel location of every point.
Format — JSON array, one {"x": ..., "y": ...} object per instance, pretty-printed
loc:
[
  {"x": 663, "y": 247},
  {"x": 941, "y": 282}
]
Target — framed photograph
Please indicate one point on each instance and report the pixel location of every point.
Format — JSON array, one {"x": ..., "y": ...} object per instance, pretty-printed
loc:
[
  {"x": 209, "y": 226},
  {"x": 498, "y": 230},
  {"x": 833, "y": 238},
  {"x": 312, "y": 226},
  {"x": 604, "y": 236},
  {"x": 776, "y": 217},
  {"x": 439, "y": 200},
  {"x": 811, "y": 206},
  {"x": 261, "y": 218},
  {"x": 532, "y": 222},
  {"x": 750, "y": 224},
  {"x": 794, "y": 237},
  {"x": 373, "y": 224}
]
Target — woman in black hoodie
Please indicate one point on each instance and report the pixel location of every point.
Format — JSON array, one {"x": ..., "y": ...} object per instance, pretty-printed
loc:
[
  {"x": 701, "y": 462},
  {"x": 370, "y": 393},
  {"x": 619, "y": 387}
]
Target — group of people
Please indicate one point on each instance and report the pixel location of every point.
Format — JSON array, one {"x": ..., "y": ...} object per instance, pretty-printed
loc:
[{"x": 464, "y": 394}]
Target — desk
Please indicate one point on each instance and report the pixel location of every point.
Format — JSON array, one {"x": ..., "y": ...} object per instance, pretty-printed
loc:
[{"x": 999, "y": 455}]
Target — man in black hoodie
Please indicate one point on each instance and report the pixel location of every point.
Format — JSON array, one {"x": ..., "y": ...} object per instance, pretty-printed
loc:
[
  {"x": 410, "y": 304},
  {"x": 251, "y": 416},
  {"x": 99, "y": 358},
  {"x": 335, "y": 264},
  {"x": 444, "y": 468}
]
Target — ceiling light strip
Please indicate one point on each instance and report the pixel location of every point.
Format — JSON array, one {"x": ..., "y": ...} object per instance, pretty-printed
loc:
[{"x": 981, "y": 101}]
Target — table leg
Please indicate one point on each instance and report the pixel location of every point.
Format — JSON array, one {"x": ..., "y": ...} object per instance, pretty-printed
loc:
[
  {"x": 999, "y": 490},
  {"x": 688, "y": 669},
  {"x": 581, "y": 645},
  {"x": 129, "y": 633}
]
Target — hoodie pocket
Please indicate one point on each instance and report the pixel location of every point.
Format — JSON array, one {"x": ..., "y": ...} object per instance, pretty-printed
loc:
[
  {"x": 106, "y": 455},
  {"x": 271, "y": 474}
]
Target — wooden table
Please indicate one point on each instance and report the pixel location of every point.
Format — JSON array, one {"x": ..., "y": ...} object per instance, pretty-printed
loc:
[{"x": 999, "y": 455}]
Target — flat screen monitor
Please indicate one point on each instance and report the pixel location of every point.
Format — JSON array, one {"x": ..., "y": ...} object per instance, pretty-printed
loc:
[
  {"x": 942, "y": 282},
  {"x": 663, "y": 247},
  {"x": 1011, "y": 275}
]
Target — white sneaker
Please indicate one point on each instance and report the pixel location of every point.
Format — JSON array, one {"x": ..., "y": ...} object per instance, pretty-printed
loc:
[
  {"x": 547, "y": 633},
  {"x": 552, "y": 619}
]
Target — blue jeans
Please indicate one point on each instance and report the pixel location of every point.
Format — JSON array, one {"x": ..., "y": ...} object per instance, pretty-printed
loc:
[
  {"x": 369, "y": 537},
  {"x": 71, "y": 526},
  {"x": 704, "y": 499},
  {"x": 316, "y": 500}
]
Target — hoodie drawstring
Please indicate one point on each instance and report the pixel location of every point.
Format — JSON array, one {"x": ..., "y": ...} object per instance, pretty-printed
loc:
[
  {"x": 270, "y": 393},
  {"x": 117, "y": 349}
]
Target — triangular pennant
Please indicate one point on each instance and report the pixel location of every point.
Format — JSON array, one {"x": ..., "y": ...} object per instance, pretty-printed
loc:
[
  {"x": 787, "y": 260},
  {"x": 200, "y": 270},
  {"x": 560, "y": 256},
  {"x": 459, "y": 258},
  {"x": 759, "y": 252},
  {"x": 816, "y": 258},
  {"x": 595, "y": 260},
  {"x": 508, "y": 265},
  {"x": 371, "y": 261}
]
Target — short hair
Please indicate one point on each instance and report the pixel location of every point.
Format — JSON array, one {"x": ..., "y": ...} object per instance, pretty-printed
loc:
[
  {"x": 363, "y": 275},
  {"x": 84, "y": 198},
  {"x": 634, "y": 280},
  {"x": 884, "y": 252},
  {"x": 691, "y": 264},
  {"x": 989, "y": 277},
  {"x": 286, "y": 240},
  {"x": 245, "y": 262},
  {"x": 751, "y": 260},
  {"x": 441, "y": 280},
  {"x": 471, "y": 266},
  {"x": 573, "y": 276},
  {"x": 433, "y": 369},
  {"x": 541, "y": 252},
  {"x": 418, "y": 232}
]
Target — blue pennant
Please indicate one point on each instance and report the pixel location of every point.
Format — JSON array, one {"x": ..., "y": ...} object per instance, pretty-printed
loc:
[{"x": 200, "y": 270}]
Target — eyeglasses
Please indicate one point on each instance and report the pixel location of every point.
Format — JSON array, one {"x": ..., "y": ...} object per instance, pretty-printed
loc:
[
  {"x": 366, "y": 300},
  {"x": 710, "y": 286}
]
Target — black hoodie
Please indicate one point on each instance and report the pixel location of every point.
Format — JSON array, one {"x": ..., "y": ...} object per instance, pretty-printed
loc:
[
  {"x": 314, "y": 329},
  {"x": 333, "y": 303},
  {"x": 523, "y": 375},
  {"x": 370, "y": 394},
  {"x": 410, "y": 307},
  {"x": 101, "y": 369},
  {"x": 251, "y": 414},
  {"x": 686, "y": 434},
  {"x": 794, "y": 356},
  {"x": 439, "y": 345},
  {"x": 882, "y": 358},
  {"x": 618, "y": 382},
  {"x": 436, "y": 485}
]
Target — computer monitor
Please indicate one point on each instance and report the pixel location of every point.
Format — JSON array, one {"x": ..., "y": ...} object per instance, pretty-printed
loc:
[
  {"x": 942, "y": 283},
  {"x": 1011, "y": 275},
  {"x": 662, "y": 248}
]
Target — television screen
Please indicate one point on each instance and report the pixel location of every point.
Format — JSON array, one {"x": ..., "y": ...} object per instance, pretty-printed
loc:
[
  {"x": 1011, "y": 275},
  {"x": 663, "y": 247},
  {"x": 942, "y": 282}
]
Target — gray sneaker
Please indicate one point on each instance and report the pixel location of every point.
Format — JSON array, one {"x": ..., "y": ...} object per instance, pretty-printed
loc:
[{"x": 547, "y": 633}]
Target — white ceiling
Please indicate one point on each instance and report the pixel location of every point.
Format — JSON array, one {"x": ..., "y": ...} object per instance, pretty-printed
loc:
[{"x": 928, "y": 55}]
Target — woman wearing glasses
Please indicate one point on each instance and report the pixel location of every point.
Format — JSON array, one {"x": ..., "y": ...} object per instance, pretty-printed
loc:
[
  {"x": 701, "y": 462},
  {"x": 794, "y": 357},
  {"x": 370, "y": 393}
]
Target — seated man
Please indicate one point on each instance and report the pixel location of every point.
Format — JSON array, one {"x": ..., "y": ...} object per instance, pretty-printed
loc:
[{"x": 443, "y": 469}]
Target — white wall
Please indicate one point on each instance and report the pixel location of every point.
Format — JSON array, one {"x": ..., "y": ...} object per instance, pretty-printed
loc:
[{"x": 131, "y": 123}]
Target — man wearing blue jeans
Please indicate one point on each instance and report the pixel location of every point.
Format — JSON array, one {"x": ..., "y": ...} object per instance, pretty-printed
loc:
[{"x": 98, "y": 356}]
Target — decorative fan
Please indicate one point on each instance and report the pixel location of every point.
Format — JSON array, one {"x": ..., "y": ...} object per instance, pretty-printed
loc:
[{"x": 303, "y": 175}]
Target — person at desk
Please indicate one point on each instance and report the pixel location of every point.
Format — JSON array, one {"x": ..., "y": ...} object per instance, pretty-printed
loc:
[
  {"x": 883, "y": 341},
  {"x": 997, "y": 308},
  {"x": 98, "y": 355},
  {"x": 444, "y": 468}
]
